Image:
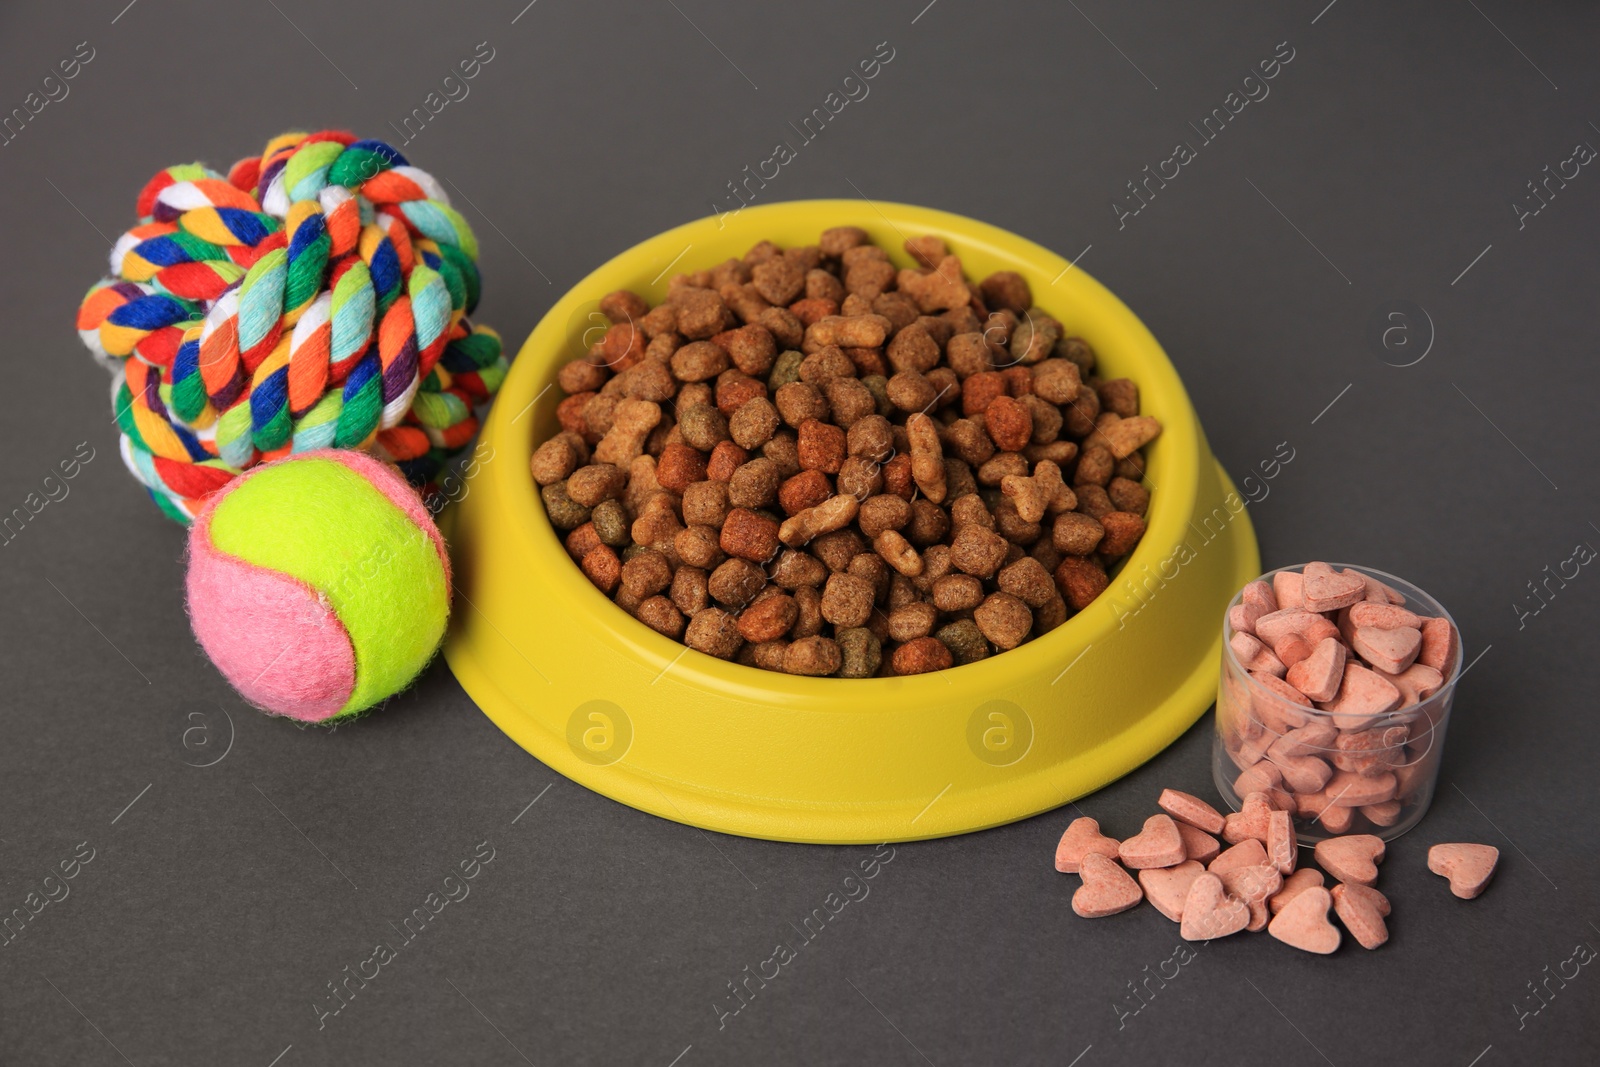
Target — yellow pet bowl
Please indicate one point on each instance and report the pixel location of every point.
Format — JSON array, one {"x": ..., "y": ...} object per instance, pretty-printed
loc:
[{"x": 644, "y": 720}]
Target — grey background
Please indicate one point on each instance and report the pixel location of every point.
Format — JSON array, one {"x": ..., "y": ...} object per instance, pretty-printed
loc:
[{"x": 220, "y": 902}]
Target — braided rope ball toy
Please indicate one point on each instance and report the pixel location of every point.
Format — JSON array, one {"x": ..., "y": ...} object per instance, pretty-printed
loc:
[{"x": 315, "y": 297}]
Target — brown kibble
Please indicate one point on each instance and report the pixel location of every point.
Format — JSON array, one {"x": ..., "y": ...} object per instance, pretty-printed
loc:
[
  {"x": 804, "y": 526},
  {"x": 623, "y": 306},
  {"x": 957, "y": 592},
  {"x": 921, "y": 656},
  {"x": 784, "y": 450},
  {"x": 1080, "y": 580},
  {"x": 750, "y": 536},
  {"x": 824, "y": 365},
  {"x": 755, "y": 484},
  {"x": 911, "y": 621},
  {"x": 840, "y": 239},
  {"x": 554, "y": 461},
  {"x": 1034, "y": 338},
  {"x": 838, "y": 548},
  {"x": 646, "y": 574},
  {"x": 1120, "y": 396},
  {"x": 1123, "y": 531},
  {"x": 795, "y": 569},
  {"x": 700, "y": 313},
  {"x": 1057, "y": 381},
  {"x": 602, "y": 567},
  {"x": 910, "y": 391},
  {"x": 871, "y": 438},
  {"x": 861, "y": 651},
  {"x": 631, "y": 424},
  {"x": 679, "y": 466},
  {"x": 898, "y": 553},
  {"x": 1028, "y": 581},
  {"x": 926, "y": 249},
  {"x": 821, "y": 446},
  {"x": 736, "y": 582},
  {"x": 1007, "y": 289},
  {"x": 964, "y": 640},
  {"x": 698, "y": 546},
  {"x": 769, "y": 618},
  {"x": 883, "y": 512},
  {"x": 1004, "y": 620},
  {"x": 751, "y": 347},
  {"x": 849, "y": 331},
  {"x": 929, "y": 523},
  {"x": 816, "y": 657},
  {"x": 754, "y": 422},
  {"x": 780, "y": 281},
  {"x": 809, "y": 623},
  {"x": 1095, "y": 464},
  {"x": 849, "y": 401},
  {"x": 581, "y": 376},
  {"x": 821, "y": 285},
  {"x": 913, "y": 349},
  {"x": 726, "y": 458},
  {"x": 699, "y": 361},
  {"x": 610, "y": 519},
  {"x": 977, "y": 551},
  {"x": 662, "y": 616},
  {"x": 714, "y": 632},
  {"x": 805, "y": 490},
  {"x": 969, "y": 353},
  {"x": 1129, "y": 435},
  {"x": 800, "y": 401},
  {"x": 702, "y": 427},
  {"x": 1040, "y": 493},
  {"x": 1076, "y": 534},
  {"x": 1128, "y": 495},
  {"x": 565, "y": 513},
  {"x": 1093, "y": 500},
  {"x": 937, "y": 289},
  {"x": 859, "y": 478},
  {"x": 847, "y": 600},
  {"x": 689, "y": 592},
  {"x": 979, "y": 390},
  {"x": 1079, "y": 416},
  {"x": 1009, "y": 424},
  {"x": 927, "y": 456}
]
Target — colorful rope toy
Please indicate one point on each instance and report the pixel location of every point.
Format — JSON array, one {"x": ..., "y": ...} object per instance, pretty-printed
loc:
[{"x": 315, "y": 297}]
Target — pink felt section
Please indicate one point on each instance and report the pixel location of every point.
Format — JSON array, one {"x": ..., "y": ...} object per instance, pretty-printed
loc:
[
  {"x": 392, "y": 484},
  {"x": 270, "y": 635}
]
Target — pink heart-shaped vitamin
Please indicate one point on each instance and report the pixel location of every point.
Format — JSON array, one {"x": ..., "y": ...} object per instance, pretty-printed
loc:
[
  {"x": 1351, "y": 859},
  {"x": 1249, "y": 821},
  {"x": 1288, "y": 590},
  {"x": 1390, "y": 651},
  {"x": 1106, "y": 889},
  {"x": 1304, "y": 774},
  {"x": 1291, "y": 649},
  {"x": 1439, "y": 645},
  {"x": 1362, "y": 910},
  {"x": 1259, "y": 595},
  {"x": 1312, "y": 739},
  {"x": 1247, "y": 853},
  {"x": 1385, "y": 814},
  {"x": 1416, "y": 683},
  {"x": 1369, "y": 751},
  {"x": 1257, "y": 778},
  {"x": 1255, "y": 656},
  {"x": 1303, "y": 922},
  {"x": 1277, "y": 709},
  {"x": 1282, "y": 849},
  {"x": 1255, "y": 886},
  {"x": 1383, "y": 616},
  {"x": 1347, "y": 790},
  {"x": 1293, "y": 886},
  {"x": 1328, "y": 590},
  {"x": 1158, "y": 845},
  {"x": 1082, "y": 837},
  {"x": 1363, "y": 696},
  {"x": 1197, "y": 844},
  {"x": 1469, "y": 867},
  {"x": 1209, "y": 912},
  {"x": 1377, "y": 592},
  {"x": 1168, "y": 887},
  {"x": 1270, "y": 628},
  {"x": 1319, "y": 674},
  {"x": 1190, "y": 809}
]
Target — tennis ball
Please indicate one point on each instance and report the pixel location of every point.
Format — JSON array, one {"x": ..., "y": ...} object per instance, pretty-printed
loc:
[{"x": 318, "y": 584}]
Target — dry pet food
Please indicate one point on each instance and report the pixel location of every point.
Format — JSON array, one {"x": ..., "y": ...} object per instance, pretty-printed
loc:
[{"x": 809, "y": 460}]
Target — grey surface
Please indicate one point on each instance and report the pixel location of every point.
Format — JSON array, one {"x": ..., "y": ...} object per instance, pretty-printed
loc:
[{"x": 1385, "y": 159}]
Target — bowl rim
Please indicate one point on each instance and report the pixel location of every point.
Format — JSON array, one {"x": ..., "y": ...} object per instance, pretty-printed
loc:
[{"x": 1175, "y": 456}]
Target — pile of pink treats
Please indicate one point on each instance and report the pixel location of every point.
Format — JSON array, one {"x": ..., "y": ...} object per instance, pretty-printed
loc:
[
  {"x": 1338, "y": 719},
  {"x": 1252, "y": 885}
]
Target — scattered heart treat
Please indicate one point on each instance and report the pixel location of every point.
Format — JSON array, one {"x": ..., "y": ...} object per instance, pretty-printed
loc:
[
  {"x": 1106, "y": 889},
  {"x": 1352, "y": 859},
  {"x": 1209, "y": 912},
  {"x": 1255, "y": 886},
  {"x": 1247, "y": 853},
  {"x": 1191, "y": 810},
  {"x": 1197, "y": 844},
  {"x": 1158, "y": 845},
  {"x": 1168, "y": 887},
  {"x": 1293, "y": 886},
  {"x": 1469, "y": 867},
  {"x": 1082, "y": 838},
  {"x": 1250, "y": 821},
  {"x": 1303, "y": 922},
  {"x": 1282, "y": 849},
  {"x": 1362, "y": 910}
]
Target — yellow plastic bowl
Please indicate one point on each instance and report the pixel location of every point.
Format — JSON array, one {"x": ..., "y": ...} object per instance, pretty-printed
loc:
[{"x": 642, "y": 719}]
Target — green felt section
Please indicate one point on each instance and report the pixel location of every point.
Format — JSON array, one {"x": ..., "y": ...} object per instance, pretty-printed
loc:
[{"x": 321, "y": 522}]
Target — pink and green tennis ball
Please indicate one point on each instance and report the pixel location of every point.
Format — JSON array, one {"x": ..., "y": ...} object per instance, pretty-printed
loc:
[{"x": 318, "y": 584}]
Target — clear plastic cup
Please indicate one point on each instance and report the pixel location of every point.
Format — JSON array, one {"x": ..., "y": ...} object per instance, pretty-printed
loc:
[{"x": 1407, "y": 745}]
